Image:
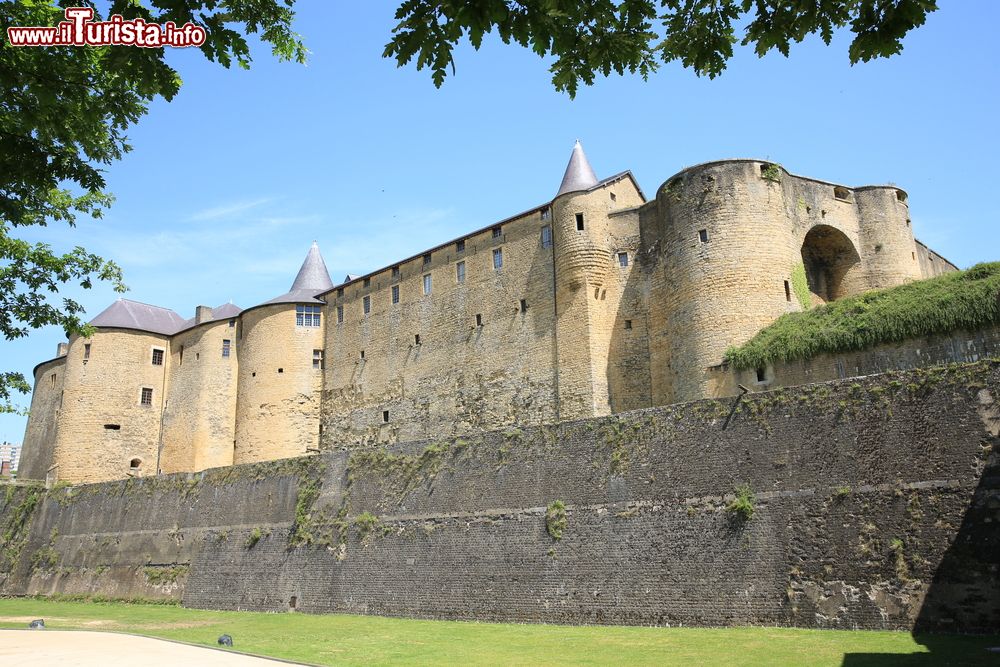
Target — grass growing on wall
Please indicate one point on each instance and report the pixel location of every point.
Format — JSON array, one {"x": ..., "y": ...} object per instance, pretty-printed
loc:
[
  {"x": 338, "y": 639},
  {"x": 962, "y": 300}
]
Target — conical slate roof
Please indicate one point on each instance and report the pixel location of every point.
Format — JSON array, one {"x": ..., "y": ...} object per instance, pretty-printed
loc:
[
  {"x": 126, "y": 314},
  {"x": 312, "y": 279},
  {"x": 579, "y": 174}
]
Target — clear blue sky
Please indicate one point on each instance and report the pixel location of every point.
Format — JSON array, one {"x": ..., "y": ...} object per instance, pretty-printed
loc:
[{"x": 229, "y": 184}]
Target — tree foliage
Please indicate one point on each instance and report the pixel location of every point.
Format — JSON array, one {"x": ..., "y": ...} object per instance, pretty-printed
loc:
[
  {"x": 605, "y": 36},
  {"x": 64, "y": 114}
]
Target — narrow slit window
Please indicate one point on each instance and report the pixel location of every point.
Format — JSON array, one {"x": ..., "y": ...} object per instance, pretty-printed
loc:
[
  {"x": 460, "y": 272},
  {"x": 366, "y": 304},
  {"x": 497, "y": 259},
  {"x": 340, "y": 314},
  {"x": 479, "y": 319},
  {"x": 362, "y": 355},
  {"x": 226, "y": 346},
  {"x": 427, "y": 259},
  {"x": 385, "y": 416},
  {"x": 524, "y": 305},
  {"x": 703, "y": 235},
  {"x": 86, "y": 350},
  {"x": 546, "y": 213},
  {"x": 427, "y": 284},
  {"x": 416, "y": 339},
  {"x": 395, "y": 272},
  {"x": 395, "y": 293},
  {"x": 112, "y": 427},
  {"x": 318, "y": 360},
  {"x": 157, "y": 357},
  {"x": 579, "y": 222},
  {"x": 146, "y": 397}
]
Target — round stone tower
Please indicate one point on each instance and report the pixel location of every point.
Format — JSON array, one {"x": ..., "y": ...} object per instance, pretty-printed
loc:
[
  {"x": 280, "y": 377},
  {"x": 887, "y": 245}
]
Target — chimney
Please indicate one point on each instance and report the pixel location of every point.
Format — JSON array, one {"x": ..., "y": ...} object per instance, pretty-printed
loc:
[
  {"x": 62, "y": 349},
  {"x": 202, "y": 314}
]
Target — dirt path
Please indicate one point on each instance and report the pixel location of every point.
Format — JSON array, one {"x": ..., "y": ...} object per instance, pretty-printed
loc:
[{"x": 70, "y": 648}]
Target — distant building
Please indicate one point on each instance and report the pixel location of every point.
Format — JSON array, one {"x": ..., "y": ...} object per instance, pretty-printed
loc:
[
  {"x": 10, "y": 457},
  {"x": 596, "y": 302}
]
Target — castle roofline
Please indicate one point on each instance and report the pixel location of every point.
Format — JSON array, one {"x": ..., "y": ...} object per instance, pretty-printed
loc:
[
  {"x": 579, "y": 174},
  {"x": 607, "y": 181},
  {"x": 312, "y": 280},
  {"x": 128, "y": 314},
  {"x": 712, "y": 163}
]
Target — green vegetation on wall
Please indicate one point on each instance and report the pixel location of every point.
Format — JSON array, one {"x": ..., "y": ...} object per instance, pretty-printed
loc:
[
  {"x": 555, "y": 519},
  {"x": 800, "y": 285},
  {"x": 962, "y": 300}
]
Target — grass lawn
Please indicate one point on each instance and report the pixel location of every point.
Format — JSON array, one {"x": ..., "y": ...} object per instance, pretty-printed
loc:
[{"x": 356, "y": 640}]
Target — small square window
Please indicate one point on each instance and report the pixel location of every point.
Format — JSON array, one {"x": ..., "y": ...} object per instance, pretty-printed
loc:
[
  {"x": 395, "y": 293},
  {"x": 427, "y": 283},
  {"x": 157, "y": 357},
  {"x": 367, "y": 282},
  {"x": 546, "y": 236},
  {"x": 146, "y": 398},
  {"x": 232, "y": 323},
  {"x": 703, "y": 235},
  {"x": 579, "y": 222},
  {"x": 623, "y": 259},
  {"x": 427, "y": 259},
  {"x": 460, "y": 272},
  {"x": 340, "y": 314},
  {"x": 366, "y": 303},
  {"x": 395, "y": 272},
  {"x": 841, "y": 193},
  {"x": 281, "y": 370},
  {"x": 761, "y": 375},
  {"x": 226, "y": 347},
  {"x": 497, "y": 232},
  {"x": 628, "y": 324},
  {"x": 546, "y": 213},
  {"x": 385, "y": 416},
  {"x": 497, "y": 259},
  {"x": 460, "y": 246}
]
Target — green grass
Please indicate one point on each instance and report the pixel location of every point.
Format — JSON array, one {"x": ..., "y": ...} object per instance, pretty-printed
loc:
[
  {"x": 356, "y": 640},
  {"x": 961, "y": 300}
]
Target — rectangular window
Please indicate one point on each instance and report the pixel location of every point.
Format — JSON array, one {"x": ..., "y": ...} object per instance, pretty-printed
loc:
[
  {"x": 416, "y": 339},
  {"x": 362, "y": 355},
  {"x": 52, "y": 379},
  {"x": 395, "y": 293},
  {"x": 366, "y": 303},
  {"x": 157, "y": 357},
  {"x": 546, "y": 237},
  {"x": 86, "y": 350},
  {"x": 340, "y": 314},
  {"x": 479, "y": 320},
  {"x": 524, "y": 306},
  {"x": 546, "y": 213},
  {"x": 623, "y": 259},
  {"x": 460, "y": 246},
  {"x": 579, "y": 222},
  {"x": 385, "y": 416},
  {"x": 318, "y": 360},
  {"x": 497, "y": 259},
  {"x": 460, "y": 272},
  {"x": 427, "y": 259},
  {"x": 180, "y": 356},
  {"x": 497, "y": 232},
  {"x": 395, "y": 272},
  {"x": 703, "y": 235},
  {"x": 307, "y": 316},
  {"x": 232, "y": 323},
  {"x": 147, "y": 396},
  {"x": 427, "y": 283},
  {"x": 628, "y": 324},
  {"x": 788, "y": 291},
  {"x": 368, "y": 282},
  {"x": 225, "y": 347},
  {"x": 340, "y": 291}
]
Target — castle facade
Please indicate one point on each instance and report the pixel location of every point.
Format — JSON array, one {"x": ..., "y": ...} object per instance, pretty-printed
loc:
[{"x": 597, "y": 302}]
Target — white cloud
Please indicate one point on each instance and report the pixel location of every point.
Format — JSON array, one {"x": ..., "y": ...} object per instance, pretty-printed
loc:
[{"x": 227, "y": 210}]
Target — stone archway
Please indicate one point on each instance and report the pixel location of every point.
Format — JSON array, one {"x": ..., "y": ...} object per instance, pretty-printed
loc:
[{"x": 828, "y": 256}]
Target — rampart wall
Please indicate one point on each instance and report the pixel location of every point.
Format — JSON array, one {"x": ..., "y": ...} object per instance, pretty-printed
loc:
[{"x": 875, "y": 505}]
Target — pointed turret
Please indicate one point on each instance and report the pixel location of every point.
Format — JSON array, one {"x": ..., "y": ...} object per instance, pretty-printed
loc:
[
  {"x": 579, "y": 174},
  {"x": 311, "y": 280}
]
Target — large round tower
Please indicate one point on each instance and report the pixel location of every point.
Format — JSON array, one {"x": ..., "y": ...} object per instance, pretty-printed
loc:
[
  {"x": 887, "y": 245},
  {"x": 280, "y": 347}
]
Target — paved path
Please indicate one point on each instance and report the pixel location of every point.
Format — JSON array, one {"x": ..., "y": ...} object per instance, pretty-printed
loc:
[{"x": 71, "y": 648}]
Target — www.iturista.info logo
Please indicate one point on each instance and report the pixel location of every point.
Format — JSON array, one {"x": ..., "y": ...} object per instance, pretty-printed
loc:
[{"x": 79, "y": 29}]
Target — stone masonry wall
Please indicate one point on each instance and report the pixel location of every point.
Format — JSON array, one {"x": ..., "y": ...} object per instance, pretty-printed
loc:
[{"x": 875, "y": 502}]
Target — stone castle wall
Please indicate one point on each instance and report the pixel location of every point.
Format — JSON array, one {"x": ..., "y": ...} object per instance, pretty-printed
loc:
[
  {"x": 43, "y": 425},
  {"x": 875, "y": 502}
]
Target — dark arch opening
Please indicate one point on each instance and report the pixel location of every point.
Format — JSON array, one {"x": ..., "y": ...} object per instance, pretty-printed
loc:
[
  {"x": 828, "y": 255},
  {"x": 134, "y": 464}
]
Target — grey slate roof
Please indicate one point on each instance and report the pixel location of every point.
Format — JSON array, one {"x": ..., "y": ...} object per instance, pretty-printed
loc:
[
  {"x": 226, "y": 311},
  {"x": 126, "y": 314},
  {"x": 579, "y": 174},
  {"x": 313, "y": 279}
]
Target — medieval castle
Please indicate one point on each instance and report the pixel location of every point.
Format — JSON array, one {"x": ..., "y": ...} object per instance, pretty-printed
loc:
[{"x": 597, "y": 302}]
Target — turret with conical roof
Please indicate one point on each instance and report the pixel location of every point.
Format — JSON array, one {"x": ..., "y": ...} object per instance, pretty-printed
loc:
[{"x": 311, "y": 280}]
